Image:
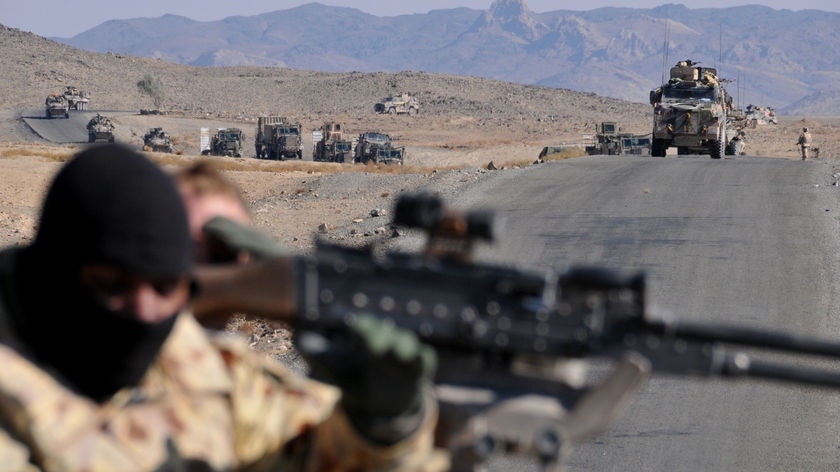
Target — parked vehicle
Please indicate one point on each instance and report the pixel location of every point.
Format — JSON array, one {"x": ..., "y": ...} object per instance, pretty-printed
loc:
[
  {"x": 278, "y": 139},
  {"x": 330, "y": 145}
]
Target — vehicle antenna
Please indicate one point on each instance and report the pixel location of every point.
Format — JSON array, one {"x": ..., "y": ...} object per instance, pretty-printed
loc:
[{"x": 665, "y": 48}]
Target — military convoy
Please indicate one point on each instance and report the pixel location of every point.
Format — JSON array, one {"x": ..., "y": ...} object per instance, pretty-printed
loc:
[
  {"x": 157, "y": 140},
  {"x": 58, "y": 105},
  {"x": 403, "y": 103},
  {"x": 100, "y": 130},
  {"x": 330, "y": 145},
  {"x": 226, "y": 142},
  {"x": 690, "y": 112},
  {"x": 376, "y": 147},
  {"x": 277, "y": 138},
  {"x": 610, "y": 141}
]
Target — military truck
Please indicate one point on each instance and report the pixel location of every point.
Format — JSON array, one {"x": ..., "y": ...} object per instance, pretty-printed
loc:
[
  {"x": 56, "y": 106},
  {"x": 329, "y": 144},
  {"x": 690, "y": 112},
  {"x": 376, "y": 147},
  {"x": 403, "y": 103},
  {"x": 157, "y": 140},
  {"x": 610, "y": 141},
  {"x": 277, "y": 138},
  {"x": 226, "y": 142},
  {"x": 76, "y": 99},
  {"x": 100, "y": 130}
]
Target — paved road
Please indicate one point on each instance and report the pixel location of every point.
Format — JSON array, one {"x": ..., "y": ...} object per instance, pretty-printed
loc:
[
  {"x": 60, "y": 130},
  {"x": 751, "y": 241},
  {"x": 63, "y": 130}
]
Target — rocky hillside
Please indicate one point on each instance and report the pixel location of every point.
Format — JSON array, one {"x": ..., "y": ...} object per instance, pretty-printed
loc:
[{"x": 776, "y": 58}]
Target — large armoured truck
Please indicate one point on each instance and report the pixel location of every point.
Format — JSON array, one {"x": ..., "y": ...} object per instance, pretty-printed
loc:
[
  {"x": 330, "y": 145},
  {"x": 277, "y": 138},
  {"x": 56, "y": 106},
  {"x": 157, "y": 140},
  {"x": 100, "y": 130},
  {"x": 76, "y": 99},
  {"x": 690, "y": 112},
  {"x": 403, "y": 103},
  {"x": 377, "y": 147},
  {"x": 226, "y": 142},
  {"x": 610, "y": 141}
]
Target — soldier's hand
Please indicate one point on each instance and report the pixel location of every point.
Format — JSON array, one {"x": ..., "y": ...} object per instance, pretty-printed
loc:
[{"x": 382, "y": 371}]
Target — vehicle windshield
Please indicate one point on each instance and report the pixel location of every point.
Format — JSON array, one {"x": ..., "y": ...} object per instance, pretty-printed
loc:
[
  {"x": 706, "y": 94},
  {"x": 343, "y": 146},
  {"x": 378, "y": 138}
]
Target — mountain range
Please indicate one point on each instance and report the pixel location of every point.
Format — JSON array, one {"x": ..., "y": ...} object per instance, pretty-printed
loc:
[{"x": 784, "y": 59}]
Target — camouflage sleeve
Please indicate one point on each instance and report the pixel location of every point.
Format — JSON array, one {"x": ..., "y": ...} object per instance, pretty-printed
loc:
[
  {"x": 336, "y": 446},
  {"x": 273, "y": 408},
  {"x": 283, "y": 419}
]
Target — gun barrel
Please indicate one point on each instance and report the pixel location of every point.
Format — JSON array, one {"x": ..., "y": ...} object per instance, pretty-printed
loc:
[
  {"x": 789, "y": 373},
  {"x": 755, "y": 338}
]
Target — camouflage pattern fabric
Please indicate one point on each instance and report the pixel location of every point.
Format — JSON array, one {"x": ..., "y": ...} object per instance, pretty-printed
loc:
[{"x": 208, "y": 403}]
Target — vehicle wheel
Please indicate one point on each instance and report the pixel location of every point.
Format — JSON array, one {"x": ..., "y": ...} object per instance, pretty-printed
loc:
[
  {"x": 719, "y": 145},
  {"x": 412, "y": 111},
  {"x": 658, "y": 148},
  {"x": 392, "y": 111}
]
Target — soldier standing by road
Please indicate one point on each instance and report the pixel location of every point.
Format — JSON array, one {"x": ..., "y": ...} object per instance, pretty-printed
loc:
[
  {"x": 105, "y": 368},
  {"x": 804, "y": 142}
]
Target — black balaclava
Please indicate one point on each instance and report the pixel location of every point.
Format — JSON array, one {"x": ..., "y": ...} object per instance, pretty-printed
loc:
[{"x": 108, "y": 205}]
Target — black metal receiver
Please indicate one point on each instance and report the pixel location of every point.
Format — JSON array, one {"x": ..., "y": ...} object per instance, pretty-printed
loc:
[{"x": 505, "y": 336}]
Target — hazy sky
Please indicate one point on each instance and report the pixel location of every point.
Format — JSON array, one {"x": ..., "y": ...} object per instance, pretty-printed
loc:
[{"x": 65, "y": 19}]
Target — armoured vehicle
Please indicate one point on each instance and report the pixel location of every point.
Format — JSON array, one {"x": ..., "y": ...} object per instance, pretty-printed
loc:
[
  {"x": 277, "y": 138},
  {"x": 157, "y": 140},
  {"x": 610, "y": 141},
  {"x": 690, "y": 112},
  {"x": 56, "y": 106},
  {"x": 330, "y": 145},
  {"x": 390, "y": 155},
  {"x": 376, "y": 147},
  {"x": 76, "y": 99},
  {"x": 398, "y": 104},
  {"x": 226, "y": 142},
  {"x": 100, "y": 130},
  {"x": 760, "y": 115}
]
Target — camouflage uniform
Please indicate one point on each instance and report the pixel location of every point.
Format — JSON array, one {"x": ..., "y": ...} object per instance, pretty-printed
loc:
[{"x": 207, "y": 403}]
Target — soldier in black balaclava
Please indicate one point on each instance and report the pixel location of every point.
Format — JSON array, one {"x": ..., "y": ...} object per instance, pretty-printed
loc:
[
  {"x": 98, "y": 289},
  {"x": 104, "y": 367}
]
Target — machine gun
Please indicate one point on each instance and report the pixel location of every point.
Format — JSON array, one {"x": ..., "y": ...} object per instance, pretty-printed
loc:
[{"x": 508, "y": 339}]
